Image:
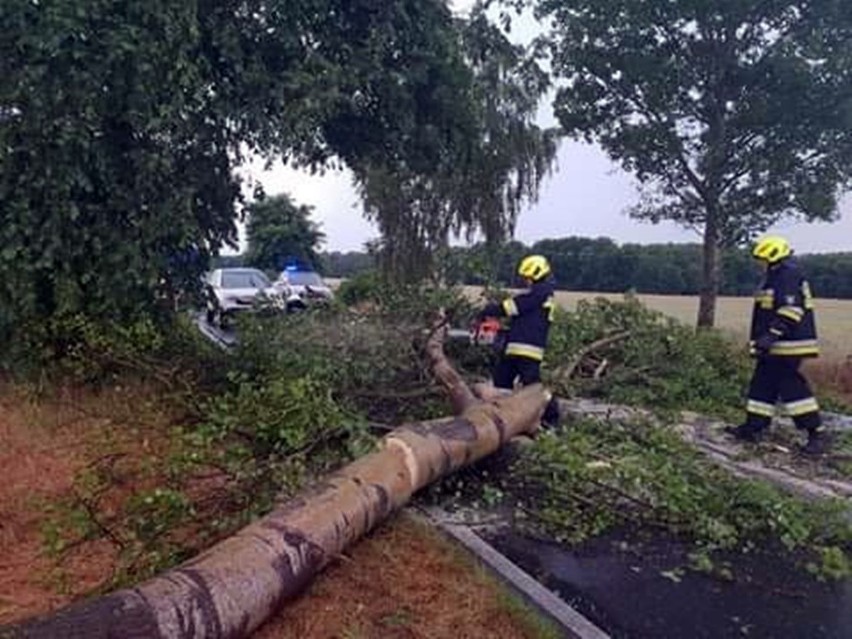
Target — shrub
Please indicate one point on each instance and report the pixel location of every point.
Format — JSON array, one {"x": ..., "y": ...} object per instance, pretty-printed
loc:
[
  {"x": 659, "y": 362},
  {"x": 363, "y": 287}
]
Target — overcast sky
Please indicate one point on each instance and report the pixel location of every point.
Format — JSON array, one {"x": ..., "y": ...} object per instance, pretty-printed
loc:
[{"x": 587, "y": 195}]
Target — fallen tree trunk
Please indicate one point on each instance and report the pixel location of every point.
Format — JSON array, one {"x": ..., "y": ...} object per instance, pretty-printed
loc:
[
  {"x": 232, "y": 588},
  {"x": 461, "y": 396}
]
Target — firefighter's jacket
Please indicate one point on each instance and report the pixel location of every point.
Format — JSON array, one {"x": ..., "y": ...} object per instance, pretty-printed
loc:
[
  {"x": 531, "y": 313},
  {"x": 784, "y": 308}
]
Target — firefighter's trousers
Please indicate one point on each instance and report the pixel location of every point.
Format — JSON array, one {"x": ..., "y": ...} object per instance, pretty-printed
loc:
[
  {"x": 780, "y": 378},
  {"x": 512, "y": 367}
]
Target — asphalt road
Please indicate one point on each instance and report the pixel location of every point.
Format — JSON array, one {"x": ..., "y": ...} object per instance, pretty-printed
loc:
[{"x": 219, "y": 336}]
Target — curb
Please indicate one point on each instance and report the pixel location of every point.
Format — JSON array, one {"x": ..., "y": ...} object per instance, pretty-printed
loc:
[
  {"x": 571, "y": 622},
  {"x": 213, "y": 334}
]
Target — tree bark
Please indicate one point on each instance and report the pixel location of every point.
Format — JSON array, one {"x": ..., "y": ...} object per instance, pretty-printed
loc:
[
  {"x": 711, "y": 272},
  {"x": 461, "y": 396},
  {"x": 232, "y": 588}
]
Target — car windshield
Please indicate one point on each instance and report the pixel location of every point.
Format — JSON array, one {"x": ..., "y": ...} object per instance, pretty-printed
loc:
[
  {"x": 304, "y": 278},
  {"x": 244, "y": 279}
]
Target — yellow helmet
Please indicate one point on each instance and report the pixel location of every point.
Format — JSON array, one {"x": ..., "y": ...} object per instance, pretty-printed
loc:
[
  {"x": 772, "y": 249},
  {"x": 534, "y": 267}
]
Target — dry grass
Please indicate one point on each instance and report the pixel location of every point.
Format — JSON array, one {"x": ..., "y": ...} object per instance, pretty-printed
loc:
[
  {"x": 404, "y": 581},
  {"x": 43, "y": 447},
  {"x": 46, "y": 443},
  {"x": 733, "y": 314},
  {"x": 832, "y": 377},
  {"x": 831, "y": 374}
]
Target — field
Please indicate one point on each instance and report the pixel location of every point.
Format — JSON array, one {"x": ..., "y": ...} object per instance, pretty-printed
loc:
[{"x": 733, "y": 314}]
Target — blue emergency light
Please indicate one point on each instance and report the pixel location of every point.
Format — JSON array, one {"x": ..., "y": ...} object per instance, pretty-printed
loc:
[{"x": 294, "y": 265}]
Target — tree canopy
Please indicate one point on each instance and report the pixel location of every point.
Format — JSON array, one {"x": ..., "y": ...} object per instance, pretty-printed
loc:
[
  {"x": 731, "y": 113},
  {"x": 476, "y": 180},
  {"x": 278, "y": 230},
  {"x": 602, "y": 265},
  {"x": 121, "y": 124},
  {"x": 114, "y": 167}
]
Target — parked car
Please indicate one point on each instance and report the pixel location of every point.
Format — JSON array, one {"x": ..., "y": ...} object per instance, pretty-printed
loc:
[
  {"x": 302, "y": 286},
  {"x": 232, "y": 290}
]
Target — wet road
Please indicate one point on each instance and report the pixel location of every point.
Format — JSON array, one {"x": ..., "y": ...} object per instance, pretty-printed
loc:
[{"x": 641, "y": 592}]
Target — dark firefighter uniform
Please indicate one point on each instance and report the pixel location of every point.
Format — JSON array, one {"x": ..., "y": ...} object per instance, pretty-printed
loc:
[
  {"x": 783, "y": 333},
  {"x": 530, "y": 313}
]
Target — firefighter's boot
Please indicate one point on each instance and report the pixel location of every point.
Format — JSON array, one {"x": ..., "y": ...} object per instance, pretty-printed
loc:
[
  {"x": 550, "y": 418},
  {"x": 819, "y": 443},
  {"x": 745, "y": 433}
]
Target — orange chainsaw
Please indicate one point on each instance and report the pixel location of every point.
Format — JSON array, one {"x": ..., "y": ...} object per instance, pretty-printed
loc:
[{"x": 488, "y": 330}]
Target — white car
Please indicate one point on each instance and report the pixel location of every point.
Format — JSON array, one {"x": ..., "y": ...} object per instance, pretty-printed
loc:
[
  {"x": 302, "y": 284},
  {"x": 231, "y": 290}
]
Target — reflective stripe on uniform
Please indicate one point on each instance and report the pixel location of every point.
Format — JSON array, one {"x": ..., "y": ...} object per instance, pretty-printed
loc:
[
  {"x": 795, "y": 347},
  {"x": 808, "y": 296},
  {"x": 529, "y": 351},
  {"x": 757, "y": 407},
  {"x": 801, "y": 407},
  {"x": 765, "y": 298},
  {"x": 509, "y": 307},
  {"x": 794, "y": 313}
]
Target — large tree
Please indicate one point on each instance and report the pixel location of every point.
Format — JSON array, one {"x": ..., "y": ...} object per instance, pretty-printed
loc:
[
  {"x": 731, "y": 113},
  {"x": 121, "y": 124},
  {"x": 279, "y": 230},
  {"x": 114, "y": 167},
  {"x": 477, "y": 178}
]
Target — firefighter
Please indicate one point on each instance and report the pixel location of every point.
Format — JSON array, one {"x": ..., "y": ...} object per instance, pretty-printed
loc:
[
  {"x": 783, "y": 333},
  {"x": 530, "y": 314}
]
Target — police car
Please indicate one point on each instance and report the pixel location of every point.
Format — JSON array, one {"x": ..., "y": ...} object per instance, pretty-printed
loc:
[{"x": 301, "y": 286}]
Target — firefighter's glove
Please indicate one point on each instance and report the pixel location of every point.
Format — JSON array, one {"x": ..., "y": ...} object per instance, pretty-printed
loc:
[{"x": 763, "y": 343}]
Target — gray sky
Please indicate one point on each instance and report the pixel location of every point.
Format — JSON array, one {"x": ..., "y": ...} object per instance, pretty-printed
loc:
[{"x": 587, "y": 196}]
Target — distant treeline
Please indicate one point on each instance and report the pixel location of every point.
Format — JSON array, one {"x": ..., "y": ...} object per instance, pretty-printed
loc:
[{"x": 599, "y": 264}]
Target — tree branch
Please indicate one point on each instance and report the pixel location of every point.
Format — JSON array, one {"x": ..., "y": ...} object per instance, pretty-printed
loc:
[
  {"x": 565, "y": 373},
  {"x": 461, "y": 396}
]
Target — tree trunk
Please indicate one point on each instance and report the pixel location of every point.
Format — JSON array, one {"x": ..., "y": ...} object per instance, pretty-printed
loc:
[
  {"x": 461, "y": 396},
  {"x": 232, "y": 588},
  {"x": 711, "y": 272}
]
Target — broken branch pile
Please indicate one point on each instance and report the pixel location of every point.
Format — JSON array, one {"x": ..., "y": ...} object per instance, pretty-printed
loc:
[{"x": 233, "y": 587}]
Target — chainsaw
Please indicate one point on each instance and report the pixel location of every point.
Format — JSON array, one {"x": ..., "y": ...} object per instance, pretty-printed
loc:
[{"x": 487, "y": 331}]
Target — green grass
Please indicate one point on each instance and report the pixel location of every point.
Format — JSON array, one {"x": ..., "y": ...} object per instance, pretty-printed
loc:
[{"x": 538, "y": 625}]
